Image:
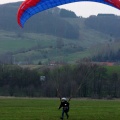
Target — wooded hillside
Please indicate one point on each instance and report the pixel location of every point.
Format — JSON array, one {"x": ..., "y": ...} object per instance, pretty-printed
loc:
[{"x": 55, "y": 35}]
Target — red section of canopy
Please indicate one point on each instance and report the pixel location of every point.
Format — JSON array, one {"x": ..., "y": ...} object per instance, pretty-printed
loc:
[
  {"x": 24, "y": 6},
  {"x": 115, "y": 3}
]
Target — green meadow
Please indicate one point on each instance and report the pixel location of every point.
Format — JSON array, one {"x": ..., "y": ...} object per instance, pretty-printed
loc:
[
  {"x": 113, "y": 69},
  {"x": 47, "y": 109}
]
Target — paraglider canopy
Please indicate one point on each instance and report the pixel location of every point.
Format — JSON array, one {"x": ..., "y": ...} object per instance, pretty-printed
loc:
[{"x": 30, "y": 7}]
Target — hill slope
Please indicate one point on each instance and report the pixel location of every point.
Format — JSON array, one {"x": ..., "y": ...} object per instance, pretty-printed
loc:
[{"x": 54, "y": 36}]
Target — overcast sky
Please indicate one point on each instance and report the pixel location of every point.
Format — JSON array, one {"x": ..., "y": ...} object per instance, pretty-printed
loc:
[{"x": 84, "y": 9}]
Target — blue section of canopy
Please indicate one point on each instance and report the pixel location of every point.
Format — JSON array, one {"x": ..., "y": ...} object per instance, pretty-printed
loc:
[{"x": 46, "y": 4}]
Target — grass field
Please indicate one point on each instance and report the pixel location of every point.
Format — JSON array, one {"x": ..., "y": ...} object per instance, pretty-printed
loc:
[
  {"x": 47, "y": 109},
  {"x": 113, "y": 69}
]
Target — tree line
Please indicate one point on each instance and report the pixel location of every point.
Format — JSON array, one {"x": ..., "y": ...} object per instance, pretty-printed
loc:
[
  {"x": 109, "y": 56},
  {"x": 105, "y": 23},
  {"x": 80, "y": 80}
]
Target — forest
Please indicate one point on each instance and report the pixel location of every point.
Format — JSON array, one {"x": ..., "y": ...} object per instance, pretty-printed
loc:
[
  {"x": 78, "y": 80},
  {"x": 108, "y": 24},
  {"x": 108, "y": 56}
]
